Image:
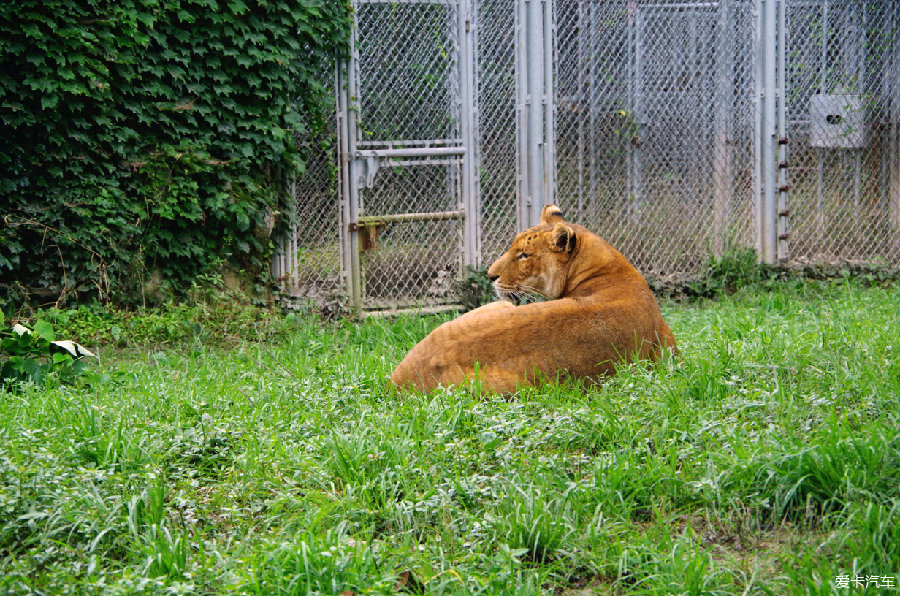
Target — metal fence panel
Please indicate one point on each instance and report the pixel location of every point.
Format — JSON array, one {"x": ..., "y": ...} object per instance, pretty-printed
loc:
[
  {"x": 843, "y": 96},
  {"x": 412, "y": 157},
  {"x": 497, "y": 108},
  {"x": 655, "y": 112},
  {"x": 308, "y": 263},
  {"x": 682, "y": 128}
]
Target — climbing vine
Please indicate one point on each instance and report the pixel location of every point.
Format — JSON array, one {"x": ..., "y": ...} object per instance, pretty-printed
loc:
[{"x": 150, "y": 139}]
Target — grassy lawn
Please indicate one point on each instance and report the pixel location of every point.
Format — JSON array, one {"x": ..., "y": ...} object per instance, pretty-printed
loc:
[{"x": 765, "y": 461}]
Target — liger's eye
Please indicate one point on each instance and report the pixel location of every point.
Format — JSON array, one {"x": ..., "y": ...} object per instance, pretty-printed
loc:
[{"x": 522, "y": 255}]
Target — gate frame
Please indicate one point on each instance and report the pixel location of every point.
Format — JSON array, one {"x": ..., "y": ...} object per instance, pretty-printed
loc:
[{"x": 358, "y": 167}]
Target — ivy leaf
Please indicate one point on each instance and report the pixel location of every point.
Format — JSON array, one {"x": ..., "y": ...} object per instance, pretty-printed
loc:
[
  {"x": 237, "y": 7},
  {"x": 44, "y": 330},
  {"x": 108, "y": 158}
]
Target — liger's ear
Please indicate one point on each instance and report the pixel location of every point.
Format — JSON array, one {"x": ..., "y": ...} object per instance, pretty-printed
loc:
[
  {"x": 562, "y": 238},
  {"x": 551, "y": 214}
]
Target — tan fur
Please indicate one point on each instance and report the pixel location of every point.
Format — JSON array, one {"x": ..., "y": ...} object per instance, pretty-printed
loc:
[{"x": 600, "y": 313}]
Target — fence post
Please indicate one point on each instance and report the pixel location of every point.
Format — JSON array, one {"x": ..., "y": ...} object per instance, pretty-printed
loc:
[
  {"x": 534, "y": 90},
  {"x": 723, "y": 172},
  {"x": 782, "y": 220},
  {"x": 893, "y": 158},
  {"x": 347, "y": 108},
  {"x": 767, "y": 211},
  {"x": 471, "y": 196}
]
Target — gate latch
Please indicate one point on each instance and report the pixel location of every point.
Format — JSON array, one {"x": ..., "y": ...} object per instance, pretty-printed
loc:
[{"x": 368, "y": 230}]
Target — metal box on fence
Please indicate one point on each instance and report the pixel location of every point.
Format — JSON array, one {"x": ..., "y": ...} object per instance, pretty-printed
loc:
[{"x": 837, "y": 121}]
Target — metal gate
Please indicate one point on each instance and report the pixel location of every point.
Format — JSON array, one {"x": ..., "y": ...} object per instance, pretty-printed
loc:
[{"x": 409, "y": 157}]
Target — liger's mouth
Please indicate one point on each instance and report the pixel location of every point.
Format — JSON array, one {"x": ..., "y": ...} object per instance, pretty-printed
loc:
[
  {"x": 517, "y": 294},
  {"x": 508, "y": 293}
]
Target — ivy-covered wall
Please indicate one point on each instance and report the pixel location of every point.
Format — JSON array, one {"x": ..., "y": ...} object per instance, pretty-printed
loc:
[{"x": 148, "y": 141}]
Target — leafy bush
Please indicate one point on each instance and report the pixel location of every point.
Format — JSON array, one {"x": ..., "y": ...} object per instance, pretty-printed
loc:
[
  {"x": 31, "y": 354},
  {"x": 213, "y": 316},
  {"x": 476, "y": 289},
  {"x": 737, "y": 267},
  {"x": 148, "y": 140}
]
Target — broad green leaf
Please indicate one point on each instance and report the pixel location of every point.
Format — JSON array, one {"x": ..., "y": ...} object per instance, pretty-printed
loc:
[{"x": 44, "y": 330}]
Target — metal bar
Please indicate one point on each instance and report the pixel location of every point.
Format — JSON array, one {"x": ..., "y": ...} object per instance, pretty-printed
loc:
[
  {"x": 470, "y": 201},
  {"x": 582, "y": 95},
  {"x": 355, "y": 176},
  {"x": 722, "y": 150},
  {"x": 635, "y": 148},
  {"x": 535, "y": 66},
  {"x": 412, "y": 309},
  {"x": 405, "y": 217},
  {"x": 439, "y": 2},
  {"x": 426, "y": 161},
  {"x": 293, "y": 277},
  {"x": 592, "y": 101},
  {"x": 686, "y": 5},
  {"x": 410, "y": 152},
  {"x": 548, "y": 104},
  {"x": 412, "y": 143},
  {"x": 768, "y": 232},
  {"x": 892, "y": 85},
  {"x": 757, "y": 128},
  {"x": 820, "y": 153},
  {"x": 858, "y": 34},
  {"x": 344, "y": 216},
  {"x": 522, "y": 197},
  {"x": 781, "y": 183}
]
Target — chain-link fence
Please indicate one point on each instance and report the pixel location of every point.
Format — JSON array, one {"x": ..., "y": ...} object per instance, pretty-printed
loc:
[
  {"x": 308, "y": 265},
  {"x": 655, "y": 126},
  {"x": 682, "y": 128},
  {"x": 842, "y": 102},
  {"x": 497, "y": 125}
]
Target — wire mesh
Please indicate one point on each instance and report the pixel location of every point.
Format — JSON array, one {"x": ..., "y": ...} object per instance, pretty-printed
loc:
[
  {"x": 843, "y": 70},
  {"x": 497, "y": 106},
  {"x": 408, "y": 86},
  {"x": 412, "y": 263},
  {"x": 308, "y": 264},
  {"x": 410, "y": 96},
  {"x": 654, "y": 125}
]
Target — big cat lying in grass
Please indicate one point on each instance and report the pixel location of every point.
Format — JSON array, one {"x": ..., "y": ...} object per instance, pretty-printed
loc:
[{"x": 599, "y": 312}]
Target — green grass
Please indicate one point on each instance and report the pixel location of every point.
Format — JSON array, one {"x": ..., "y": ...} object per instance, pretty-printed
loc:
[{"x": 766, "y": 460}]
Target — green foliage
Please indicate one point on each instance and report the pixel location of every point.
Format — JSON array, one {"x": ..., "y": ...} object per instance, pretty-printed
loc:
[
  {"x": 764, "y": 460},
  {"x": 29, "y": 355},
  {"x": 150, "y": 136},
  {"x": 735, "y": 268},
  {"x": 221, "y": 319},
  {"x": 476, "y": 289}
]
